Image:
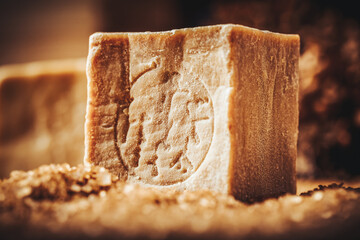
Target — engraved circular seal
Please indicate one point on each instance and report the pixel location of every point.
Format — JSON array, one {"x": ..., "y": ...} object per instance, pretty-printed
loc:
[{"x": 171, "y": 124}]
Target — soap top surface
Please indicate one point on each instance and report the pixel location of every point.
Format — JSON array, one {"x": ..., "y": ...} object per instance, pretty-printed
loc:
[{"x": 109, "y": 37}]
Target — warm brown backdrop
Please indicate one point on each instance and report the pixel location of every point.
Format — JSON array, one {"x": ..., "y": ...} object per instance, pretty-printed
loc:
[{"x": 329, "y": 141}]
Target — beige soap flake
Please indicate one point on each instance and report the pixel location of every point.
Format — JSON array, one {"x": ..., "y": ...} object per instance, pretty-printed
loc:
[{"x": 200, "y": 108}]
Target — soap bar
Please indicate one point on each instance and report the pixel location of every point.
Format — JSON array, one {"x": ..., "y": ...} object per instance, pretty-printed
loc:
[
  {"x": 200, "y": 108},
  {"x": 42, "y": 112}
]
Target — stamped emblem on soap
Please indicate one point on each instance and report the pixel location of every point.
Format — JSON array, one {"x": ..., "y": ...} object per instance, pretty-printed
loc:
[{"x": 170, "y": 127}]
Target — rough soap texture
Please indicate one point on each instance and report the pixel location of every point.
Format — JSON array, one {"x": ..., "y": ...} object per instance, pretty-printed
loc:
[
  {"x": 63, "y": 202},
  {"x": 203, "y": 108},
  {"x": 42, "y": 109}
]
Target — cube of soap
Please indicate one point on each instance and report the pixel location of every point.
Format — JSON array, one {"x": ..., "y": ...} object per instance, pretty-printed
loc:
[
  {"x": 200, "y": 108},
  {"x": 42, "y": 111}
]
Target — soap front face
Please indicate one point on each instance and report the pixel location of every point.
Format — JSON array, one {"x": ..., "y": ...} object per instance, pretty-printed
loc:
[
  {"x": 161, "y": 107},
  {"x": 42, "y": 109},
  {"x": 170, "y": 115}
]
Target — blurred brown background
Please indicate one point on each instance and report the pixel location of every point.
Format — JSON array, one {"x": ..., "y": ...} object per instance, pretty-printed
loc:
[{"x": 329, "y": 139}]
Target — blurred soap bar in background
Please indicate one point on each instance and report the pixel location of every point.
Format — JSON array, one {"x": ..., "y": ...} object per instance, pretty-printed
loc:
[{"x": 42, "y": 109}]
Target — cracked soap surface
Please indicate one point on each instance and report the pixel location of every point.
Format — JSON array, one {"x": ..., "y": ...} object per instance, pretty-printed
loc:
[
  {"x": 164, "y": 139},
  {"x": 163, "y": 122}
]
